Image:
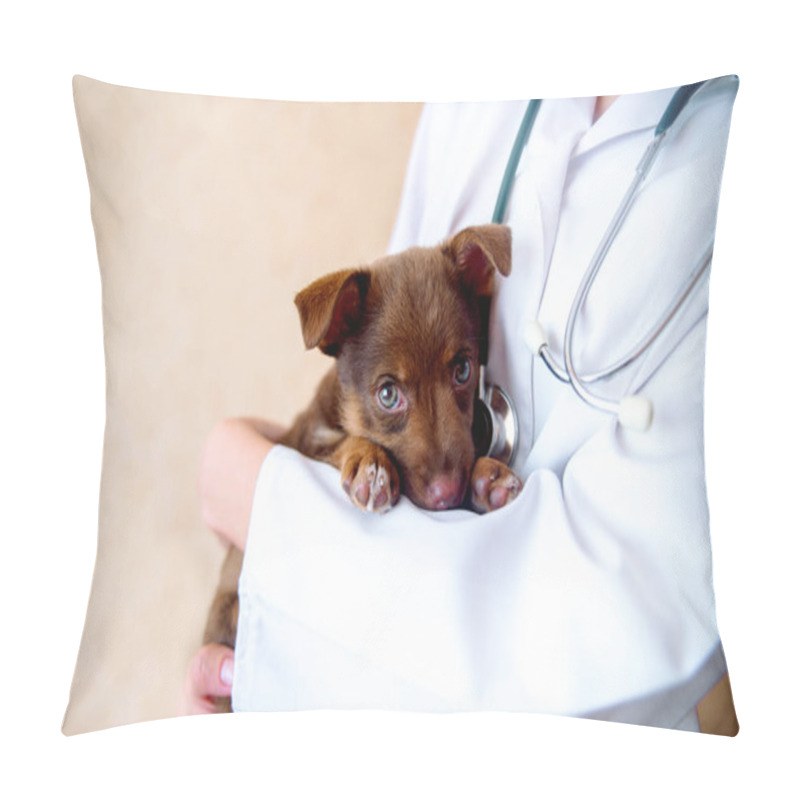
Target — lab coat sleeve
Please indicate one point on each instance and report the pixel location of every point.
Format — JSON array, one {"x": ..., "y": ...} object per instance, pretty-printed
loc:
[
  {"x": 439, "y": 197},
  {"x": 408, "y": 223}
]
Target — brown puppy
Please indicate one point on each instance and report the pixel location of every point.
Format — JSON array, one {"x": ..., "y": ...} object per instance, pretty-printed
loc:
[{"x": 395, "y": 412}]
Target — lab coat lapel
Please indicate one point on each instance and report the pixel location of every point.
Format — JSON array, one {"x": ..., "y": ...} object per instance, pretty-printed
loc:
[
  {"x": 560, "y": 127},
  {"x": 628, "y": 113}
]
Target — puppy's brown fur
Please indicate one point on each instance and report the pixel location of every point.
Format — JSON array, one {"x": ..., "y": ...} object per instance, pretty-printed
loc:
[{"x": 395, "y": 412}]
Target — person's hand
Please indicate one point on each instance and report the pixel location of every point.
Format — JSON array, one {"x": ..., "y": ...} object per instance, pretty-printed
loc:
[{"x": 210, "y": 675}]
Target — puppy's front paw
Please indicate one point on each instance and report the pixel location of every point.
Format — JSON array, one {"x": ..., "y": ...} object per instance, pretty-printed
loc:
[
  {"x": 493, "y": 485},
  {"x": 370, "y": 478}
]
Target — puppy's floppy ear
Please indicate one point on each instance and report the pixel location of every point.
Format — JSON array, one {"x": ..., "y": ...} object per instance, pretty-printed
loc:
[
  {"x": 477, "y": 252},
  {"x": 331, "y": 308}
]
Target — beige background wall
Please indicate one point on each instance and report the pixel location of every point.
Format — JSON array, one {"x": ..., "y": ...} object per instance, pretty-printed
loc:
[{"x": 210, "y": 214}]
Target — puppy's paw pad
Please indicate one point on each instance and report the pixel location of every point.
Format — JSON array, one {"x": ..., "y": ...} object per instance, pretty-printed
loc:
[
  {"x": 372, "y": 483},
  {"x": 493, "y": 485},
  {"x": 372, "y": 493}
]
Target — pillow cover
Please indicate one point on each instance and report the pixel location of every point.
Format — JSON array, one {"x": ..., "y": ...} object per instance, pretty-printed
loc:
[
  {"x": 209, "y": 214},
  {"x": 589, "y": 595}
]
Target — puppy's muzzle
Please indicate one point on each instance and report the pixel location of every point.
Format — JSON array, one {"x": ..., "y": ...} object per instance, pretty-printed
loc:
[{"x": 445, "y": 491}]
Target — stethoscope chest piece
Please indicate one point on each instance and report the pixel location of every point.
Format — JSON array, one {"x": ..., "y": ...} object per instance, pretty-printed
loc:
[{"x": 495, "y": 428}]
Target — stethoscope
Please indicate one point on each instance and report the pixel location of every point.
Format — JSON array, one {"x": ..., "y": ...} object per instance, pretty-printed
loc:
[{"x": 496, "y": 424}]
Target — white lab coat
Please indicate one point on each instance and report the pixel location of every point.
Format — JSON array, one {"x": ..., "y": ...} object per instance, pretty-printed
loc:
[{"x": 591, "y": 593}]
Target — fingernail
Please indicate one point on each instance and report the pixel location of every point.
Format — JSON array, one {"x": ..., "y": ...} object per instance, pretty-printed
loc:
[{"x": 226, "y": 672}]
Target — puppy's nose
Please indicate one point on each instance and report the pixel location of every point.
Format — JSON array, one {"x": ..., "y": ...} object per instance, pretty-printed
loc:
[{"x": 446, "y": 491}]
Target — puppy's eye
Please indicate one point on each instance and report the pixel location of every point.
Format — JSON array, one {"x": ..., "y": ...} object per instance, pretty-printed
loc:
[
  {"x": 462, "y": 371},
  {"x": 390, "y": 397}
]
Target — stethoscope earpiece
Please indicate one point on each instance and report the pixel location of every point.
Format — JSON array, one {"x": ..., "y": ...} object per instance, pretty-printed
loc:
[
  {"x": 534, "y": 336},
  {"x": 635, "y": 413}
]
